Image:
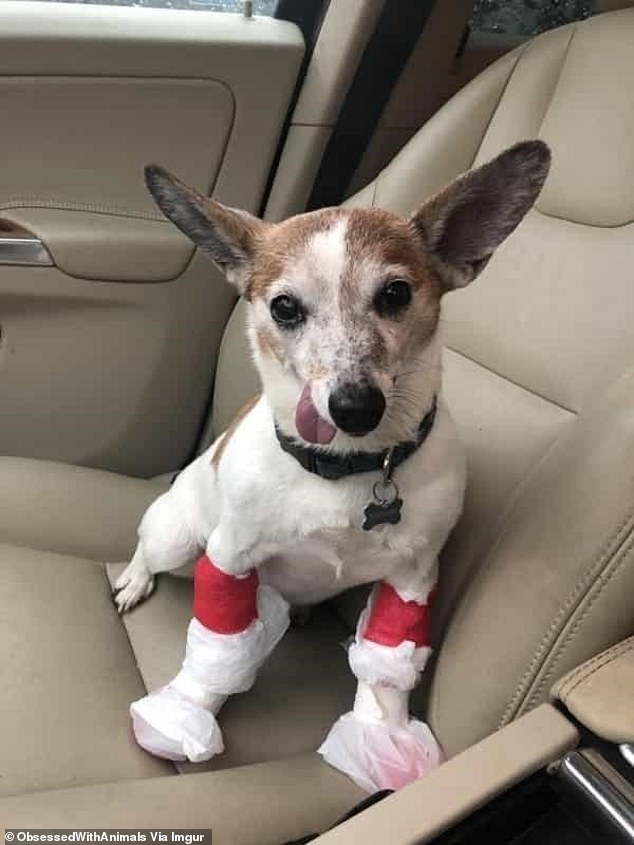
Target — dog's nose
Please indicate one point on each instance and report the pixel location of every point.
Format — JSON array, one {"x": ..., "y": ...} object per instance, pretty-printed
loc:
[{"x": 356, "y": 408}]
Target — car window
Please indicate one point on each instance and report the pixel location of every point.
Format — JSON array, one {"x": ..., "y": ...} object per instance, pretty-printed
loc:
[
  {"x": 260, "y": 7},
  {"x": 527, "y": 17}
]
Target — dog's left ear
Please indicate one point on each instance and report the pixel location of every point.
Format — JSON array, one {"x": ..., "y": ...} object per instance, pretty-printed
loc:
[
  {"x": 224, "y": 234},
  {"x": 463, "y": 225}
]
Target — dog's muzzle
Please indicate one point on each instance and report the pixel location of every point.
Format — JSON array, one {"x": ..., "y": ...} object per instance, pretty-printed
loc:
[{"x": 356, "y": 407}]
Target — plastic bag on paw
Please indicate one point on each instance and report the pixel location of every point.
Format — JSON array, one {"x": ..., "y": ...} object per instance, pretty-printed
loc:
[
  {"x": 377, "y": 755},
  {"x": 169, "y": 725}
]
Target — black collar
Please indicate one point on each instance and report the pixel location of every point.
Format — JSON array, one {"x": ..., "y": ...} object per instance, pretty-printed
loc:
[{"x": 332, "y": 466}]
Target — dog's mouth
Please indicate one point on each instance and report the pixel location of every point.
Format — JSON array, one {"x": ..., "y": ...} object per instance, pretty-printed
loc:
[{"x": 311, "y": 426}]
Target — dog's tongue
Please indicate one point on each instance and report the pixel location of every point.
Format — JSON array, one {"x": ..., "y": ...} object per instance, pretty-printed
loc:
[{"x": 310, "y": 425}]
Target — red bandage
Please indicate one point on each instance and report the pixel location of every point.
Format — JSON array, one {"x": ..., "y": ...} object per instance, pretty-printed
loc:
[
  {"x": 223, "y": 603},
  {"x": 393, "y": 620}
]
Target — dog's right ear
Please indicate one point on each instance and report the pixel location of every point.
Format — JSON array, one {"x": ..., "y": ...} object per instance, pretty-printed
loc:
[
  {"x": 461, "y": 227},
  {"x": 226, "y": 235}
]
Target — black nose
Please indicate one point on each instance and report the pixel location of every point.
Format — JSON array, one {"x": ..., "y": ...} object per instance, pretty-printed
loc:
[{"x": 356, "y": 408}]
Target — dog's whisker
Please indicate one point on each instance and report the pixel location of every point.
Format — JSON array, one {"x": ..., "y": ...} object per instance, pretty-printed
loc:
[{"x": 421, "y": 370}]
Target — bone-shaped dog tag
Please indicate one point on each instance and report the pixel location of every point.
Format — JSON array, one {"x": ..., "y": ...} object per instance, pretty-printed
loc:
[
  {"x": 386, "y": 507},
  {"x": 380, "y": 513}
]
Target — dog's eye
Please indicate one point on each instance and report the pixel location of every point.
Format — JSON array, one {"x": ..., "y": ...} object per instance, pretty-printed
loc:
[
  {"x": 394, "y": 297},
  {"x": 287, "y": 311}
]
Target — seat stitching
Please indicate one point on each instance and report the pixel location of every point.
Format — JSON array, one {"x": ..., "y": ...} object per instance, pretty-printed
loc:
[
  {"x": 608, "y": 549},
  {"x": 523, "y": 50},
  {"x": 574, "y": 222},
  {"x": 558, "y": 80},
  {"x": 577, "y": 676},
  {"x": 71, "y": 205},
  {"x": 559, "y": 652},
  {"x": 511, "y": 381},
  {"x": 562, "y": 617},
  {"x": 498, "y": 532},
  {"x": 609, "y": 654},
  {"x": 374, "y": 190},
  {"x": 126, "y": 633},
  {"x": 104, "y": 567},
  {"x": 520, "y": 54},
  {"x": 582, "y": 673}
]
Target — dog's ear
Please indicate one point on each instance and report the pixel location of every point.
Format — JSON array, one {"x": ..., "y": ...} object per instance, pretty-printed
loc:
[
  {"x": 224, "y": 234},
  {"x": 462, "y": 225}
]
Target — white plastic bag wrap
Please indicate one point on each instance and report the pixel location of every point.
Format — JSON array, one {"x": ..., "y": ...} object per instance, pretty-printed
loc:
[
  {"x": 178, "y": 721},
  {"x": 377, "y": 744},
  {"x": 395, "y": 666},
  {"x": 168, "y": 724}
]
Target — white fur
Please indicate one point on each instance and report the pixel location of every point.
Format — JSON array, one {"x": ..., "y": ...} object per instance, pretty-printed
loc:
[{"x": 261, "y": 508}]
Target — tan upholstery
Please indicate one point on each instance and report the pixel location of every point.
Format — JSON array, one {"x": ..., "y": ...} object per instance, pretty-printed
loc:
[
  {"x": 103, "y": 362},
  {"x": 71, "y": 510},
  {"x": 66, "y": 677},
  {"x": 263, "y": 804},
  {"x": 537, "y": 578},
  {"x": 600, "y": 692}
]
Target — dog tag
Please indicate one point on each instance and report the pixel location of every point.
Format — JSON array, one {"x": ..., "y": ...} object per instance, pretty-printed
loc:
[
  {"x": 386, "y": 507},
  {"x": 380, "y": 513}
]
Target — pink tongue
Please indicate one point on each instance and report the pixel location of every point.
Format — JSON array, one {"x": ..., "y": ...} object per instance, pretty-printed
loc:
[{"x": 309, "y": 424}]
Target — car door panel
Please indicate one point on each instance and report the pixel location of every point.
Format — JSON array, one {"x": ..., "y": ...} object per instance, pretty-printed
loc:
[{"x": 107, "y": 358}]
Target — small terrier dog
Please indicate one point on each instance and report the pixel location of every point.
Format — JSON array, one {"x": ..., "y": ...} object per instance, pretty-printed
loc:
[{"x": 345, "y": 471}]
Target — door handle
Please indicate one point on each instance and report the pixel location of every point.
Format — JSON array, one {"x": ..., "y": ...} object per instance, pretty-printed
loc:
[{"x": 20, "y": 246}]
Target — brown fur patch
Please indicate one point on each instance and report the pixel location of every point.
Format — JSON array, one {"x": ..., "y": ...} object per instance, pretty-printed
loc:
[
  {"x": 223, "y": 442},
  {"x": 388, "y": 239},
  {"x": 391, "y": 240},
  {"x": 279, "y": 243}
]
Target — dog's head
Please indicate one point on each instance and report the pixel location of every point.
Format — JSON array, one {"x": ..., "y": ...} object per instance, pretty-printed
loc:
[{"x": 344, "y": 303}]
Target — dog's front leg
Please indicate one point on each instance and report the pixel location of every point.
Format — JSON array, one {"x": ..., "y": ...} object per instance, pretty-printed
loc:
[
  {"x": 236, "y": 624},
  {"x": 378, "y": 744}
]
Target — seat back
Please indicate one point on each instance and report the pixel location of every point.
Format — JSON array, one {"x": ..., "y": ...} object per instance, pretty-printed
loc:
[{"x": 538, "y": 372}]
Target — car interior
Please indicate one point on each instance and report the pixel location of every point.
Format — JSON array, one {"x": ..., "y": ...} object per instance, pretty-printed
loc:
[{"x": 123, "y": 355}]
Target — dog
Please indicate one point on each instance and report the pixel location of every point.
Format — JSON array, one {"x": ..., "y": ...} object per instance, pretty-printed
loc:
[{"x": 346, "y": 470}]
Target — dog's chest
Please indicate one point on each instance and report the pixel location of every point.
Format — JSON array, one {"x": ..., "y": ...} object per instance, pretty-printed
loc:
[
  {"x": 313, "y": 529},
  {"x": 328, "y": 561},
  {"x": 308, "y": 531}
]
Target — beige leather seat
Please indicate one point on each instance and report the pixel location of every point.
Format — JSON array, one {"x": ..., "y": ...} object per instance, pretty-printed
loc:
[{"x": 539, "y": 372}]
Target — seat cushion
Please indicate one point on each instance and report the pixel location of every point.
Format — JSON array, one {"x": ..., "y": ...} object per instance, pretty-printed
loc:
[
  {"x": 71, "y": 510},
  {"x": 66, "y": 674},
  {"x": 300, "y": 691},
  {"x": 264, "y": 804}
]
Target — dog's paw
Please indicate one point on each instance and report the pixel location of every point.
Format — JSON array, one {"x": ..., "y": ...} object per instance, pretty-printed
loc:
[
  {"x": 377, "y": 755},
  {"x": 132, "y": 586},
  {"x": 168, "y": 724}
]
